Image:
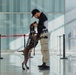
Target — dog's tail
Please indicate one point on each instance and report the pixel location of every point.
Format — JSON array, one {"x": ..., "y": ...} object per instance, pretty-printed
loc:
[{"x": 21, "y": 51}]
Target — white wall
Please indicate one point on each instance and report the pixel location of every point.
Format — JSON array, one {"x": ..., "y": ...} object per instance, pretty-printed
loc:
[{"x": 70, "y": 5}]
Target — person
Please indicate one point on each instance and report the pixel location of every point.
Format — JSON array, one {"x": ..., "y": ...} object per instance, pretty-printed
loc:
[
  {"x": 42, "y": 28},
  {"x": 31, "y": 43}
]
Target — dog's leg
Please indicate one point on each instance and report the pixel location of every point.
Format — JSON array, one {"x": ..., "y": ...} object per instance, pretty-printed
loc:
[
  {"x": 26, "y": 53},
  {"x": 27, "y": 57},
  {"x": 23, "y": 61},
  {"x": 23, "y": 65},
  {"x": 26, "y": 60}
]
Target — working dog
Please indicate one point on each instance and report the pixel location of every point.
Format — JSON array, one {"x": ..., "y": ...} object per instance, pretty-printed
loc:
[{"x": 31, "y": 43}]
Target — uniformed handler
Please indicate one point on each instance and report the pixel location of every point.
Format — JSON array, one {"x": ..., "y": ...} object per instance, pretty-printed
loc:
[{"x": 42, "y": 28}]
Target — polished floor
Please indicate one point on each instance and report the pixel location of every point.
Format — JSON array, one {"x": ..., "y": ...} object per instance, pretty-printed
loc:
[{"x": 11, "y": 65}]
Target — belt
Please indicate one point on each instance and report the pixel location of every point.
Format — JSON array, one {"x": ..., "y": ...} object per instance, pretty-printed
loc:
[
  {"x": 45, "y": 37},
  {"x": 44, "y": 31}
]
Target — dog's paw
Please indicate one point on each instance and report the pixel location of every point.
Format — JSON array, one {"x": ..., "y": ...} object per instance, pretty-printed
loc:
[
  {"x": 23, "y": 68},
  {"x": 27, "y": 67}
]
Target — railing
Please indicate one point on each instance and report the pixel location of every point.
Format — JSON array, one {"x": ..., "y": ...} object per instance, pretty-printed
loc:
[
  {"x": 69, "y": 51},
  {"x": 17, "y": 35}
]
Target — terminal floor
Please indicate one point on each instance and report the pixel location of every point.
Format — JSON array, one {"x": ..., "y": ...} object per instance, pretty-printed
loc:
[{"x": 11, "y": 65}]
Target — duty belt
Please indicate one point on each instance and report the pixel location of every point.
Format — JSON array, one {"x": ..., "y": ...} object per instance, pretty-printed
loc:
[
  {"x": 44, "y": 31},
  {"x": 45, "y": 37}
]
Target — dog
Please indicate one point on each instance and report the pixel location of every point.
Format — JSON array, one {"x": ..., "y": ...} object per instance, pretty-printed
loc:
[{"x": 31, "y": 43}]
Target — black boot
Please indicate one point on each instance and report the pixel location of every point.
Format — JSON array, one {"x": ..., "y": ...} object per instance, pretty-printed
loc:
[
  {"x": 44, "y": 68},
  {"x": 42, "y": 64}
]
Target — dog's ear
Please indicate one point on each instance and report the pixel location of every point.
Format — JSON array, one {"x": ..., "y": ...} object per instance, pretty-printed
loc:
[
  {"x": 35, "y": 22},
  {"x": 31, "y": 24}
]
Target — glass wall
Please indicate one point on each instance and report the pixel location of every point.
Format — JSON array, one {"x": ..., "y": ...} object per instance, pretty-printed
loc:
[
  {"x": 28, "y": 5},
  {"x": 70, "y": 25},
  {"x": 15, "y": 18}
]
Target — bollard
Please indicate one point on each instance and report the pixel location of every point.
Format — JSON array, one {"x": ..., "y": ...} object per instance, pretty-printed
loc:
[
  {"x": 63, "y": 47},
  {"x": 0, "y": 47}
]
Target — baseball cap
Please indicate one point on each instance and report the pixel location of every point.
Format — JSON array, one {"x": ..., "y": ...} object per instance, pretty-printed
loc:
[{"x": 34, "y": 12}]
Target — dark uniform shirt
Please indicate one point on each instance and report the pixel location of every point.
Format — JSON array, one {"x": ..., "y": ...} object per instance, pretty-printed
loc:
[{"x": 41, "y": 26}]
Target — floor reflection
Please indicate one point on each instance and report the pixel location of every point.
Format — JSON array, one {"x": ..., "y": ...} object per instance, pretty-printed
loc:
[{"x": 11, "y": 65}]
